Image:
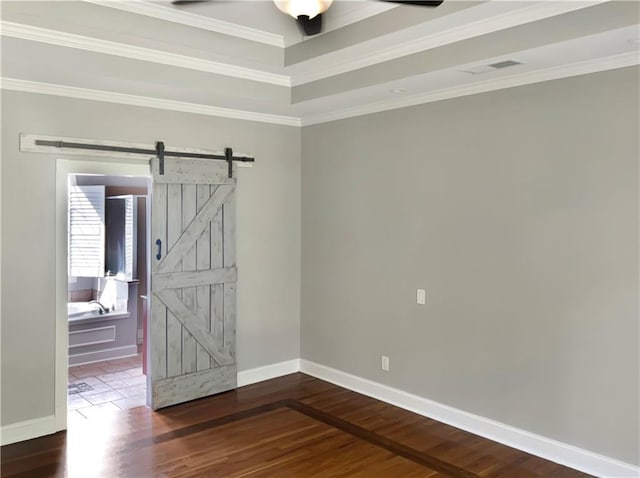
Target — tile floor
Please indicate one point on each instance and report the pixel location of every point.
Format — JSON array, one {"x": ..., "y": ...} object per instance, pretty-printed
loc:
[{"x": 116, "y": 385}]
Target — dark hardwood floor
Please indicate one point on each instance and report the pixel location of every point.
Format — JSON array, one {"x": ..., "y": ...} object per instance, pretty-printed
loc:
[{"x": 293, "y": 426}]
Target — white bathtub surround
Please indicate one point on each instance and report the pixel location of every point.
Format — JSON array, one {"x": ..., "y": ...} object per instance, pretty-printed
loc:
[
  {"x": 82, "y": 311},
  {"x": 95, "y": 336},
  {"x": 76, "y": 309},
  {"x": 86, "y": 312}
]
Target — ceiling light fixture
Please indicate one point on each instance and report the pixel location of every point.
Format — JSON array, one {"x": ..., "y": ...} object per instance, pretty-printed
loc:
[{"x": 303, "y": 8}]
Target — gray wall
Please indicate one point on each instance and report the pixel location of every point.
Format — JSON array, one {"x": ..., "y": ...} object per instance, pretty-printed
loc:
[
  {"x": 517, "y": 211},
  {"x": 268, "y": 225}
]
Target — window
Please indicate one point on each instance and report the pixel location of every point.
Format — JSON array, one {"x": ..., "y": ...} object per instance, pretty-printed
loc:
[
  {"x": 86, "y": 231},
  {"x": 121, "y": 221}
]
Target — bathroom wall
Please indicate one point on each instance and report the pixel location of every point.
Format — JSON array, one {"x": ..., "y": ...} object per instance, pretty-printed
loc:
[
  {"x": 141, "y": 231},
  {"x": 81, "y": 289}
]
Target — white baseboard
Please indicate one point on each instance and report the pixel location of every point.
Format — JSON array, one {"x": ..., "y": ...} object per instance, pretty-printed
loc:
[
  {"x": 543, "y": 447},
  {"x": 260, "y": 374},
  {"x": 27, "y": 429}
]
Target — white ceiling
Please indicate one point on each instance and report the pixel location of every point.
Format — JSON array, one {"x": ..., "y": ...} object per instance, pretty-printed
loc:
[{"x": 246, "y": 59}]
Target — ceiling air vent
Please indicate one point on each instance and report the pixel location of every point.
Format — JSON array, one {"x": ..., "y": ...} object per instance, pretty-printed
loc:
[
  {"x": 492, "y": 67},
  {"x": 505, "y": 64}
]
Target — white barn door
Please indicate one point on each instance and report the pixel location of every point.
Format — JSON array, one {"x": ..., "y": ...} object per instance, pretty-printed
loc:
[{"x": 193, "y": 281}]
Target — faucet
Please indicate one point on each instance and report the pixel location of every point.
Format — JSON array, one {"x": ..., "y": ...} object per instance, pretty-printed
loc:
[{"x": 102, "y": 309}]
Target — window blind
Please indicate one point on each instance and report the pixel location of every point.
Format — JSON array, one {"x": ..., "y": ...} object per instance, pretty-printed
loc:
[{"x": 86, "y": 231}]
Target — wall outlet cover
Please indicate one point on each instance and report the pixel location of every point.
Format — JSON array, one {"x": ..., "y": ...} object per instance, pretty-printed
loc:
[{"x": 385, "y": 363}]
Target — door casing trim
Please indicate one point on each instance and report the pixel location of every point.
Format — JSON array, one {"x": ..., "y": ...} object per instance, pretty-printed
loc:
[{"x": 65, "y": 167}]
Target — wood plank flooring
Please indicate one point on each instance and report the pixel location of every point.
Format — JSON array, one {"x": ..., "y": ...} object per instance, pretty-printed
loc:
[{"x": 293, "y": 426}]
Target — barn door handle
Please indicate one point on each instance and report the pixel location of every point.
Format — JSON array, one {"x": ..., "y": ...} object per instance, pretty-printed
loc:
[{"x": 159, "y": 244}]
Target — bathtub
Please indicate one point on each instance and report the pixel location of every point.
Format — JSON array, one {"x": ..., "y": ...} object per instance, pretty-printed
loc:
[
  {"x": 81, "y": 311},
  {"x": 95, "y": 337}
]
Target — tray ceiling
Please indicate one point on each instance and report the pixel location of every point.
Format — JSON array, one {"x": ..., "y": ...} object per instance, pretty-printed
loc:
[{"x": 248, "y": 60}]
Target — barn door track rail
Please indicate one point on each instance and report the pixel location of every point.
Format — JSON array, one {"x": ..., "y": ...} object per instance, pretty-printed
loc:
[{"x": 43, "y": 144}]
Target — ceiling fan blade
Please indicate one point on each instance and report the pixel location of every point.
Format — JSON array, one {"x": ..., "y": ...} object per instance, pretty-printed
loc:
[
  {"x": 187, "y": 2},
  {"x": 310, "y": 26},
  {"x": 422, "y": 3}
]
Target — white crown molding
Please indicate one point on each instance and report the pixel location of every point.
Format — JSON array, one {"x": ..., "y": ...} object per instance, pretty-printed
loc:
[
  {"x": 424, "y": 37},
  {"x": 565, "y": 71},
  {"x": 15, "y": 84},
  {"x": 324, "y": 66},
  {"x": 547, "y": 448},
  {"x": 198, "y": 21},
  {"x": 27, "y": 429},
  {"x": 71, "y": 40},
  {"x": 536, "y": 76}
]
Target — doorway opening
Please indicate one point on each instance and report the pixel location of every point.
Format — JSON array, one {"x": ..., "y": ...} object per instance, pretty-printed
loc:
[{"x": 108, "y": 224}]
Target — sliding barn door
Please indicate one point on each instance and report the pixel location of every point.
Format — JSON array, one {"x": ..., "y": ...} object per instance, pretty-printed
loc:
[{"x": 193, "y": 282}]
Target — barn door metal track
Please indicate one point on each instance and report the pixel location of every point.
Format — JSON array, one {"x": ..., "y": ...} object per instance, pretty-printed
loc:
[{"x": 159, "y": 152}]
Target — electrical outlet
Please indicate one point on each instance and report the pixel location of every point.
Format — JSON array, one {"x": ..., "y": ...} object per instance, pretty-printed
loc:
[
  {"x": 421, "y": 297},
  {"x": 385, "y": 363}
]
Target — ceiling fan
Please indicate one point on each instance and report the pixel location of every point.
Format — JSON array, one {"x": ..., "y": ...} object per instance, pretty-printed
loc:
[{"x": 308, "y": 13}]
